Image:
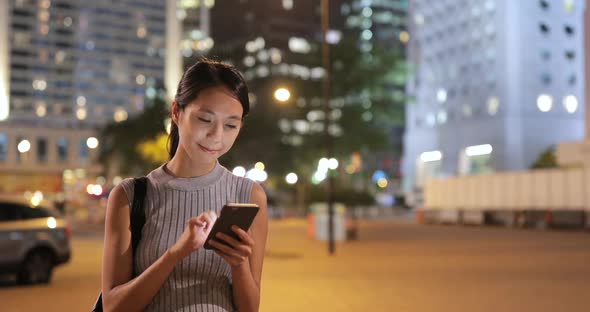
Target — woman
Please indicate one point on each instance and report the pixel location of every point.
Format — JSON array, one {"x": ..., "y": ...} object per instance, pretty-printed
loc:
[{"x": 173, "y": 270}]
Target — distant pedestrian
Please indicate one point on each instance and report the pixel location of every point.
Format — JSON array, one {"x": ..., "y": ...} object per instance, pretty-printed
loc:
[{"x": 173, "y": 272}]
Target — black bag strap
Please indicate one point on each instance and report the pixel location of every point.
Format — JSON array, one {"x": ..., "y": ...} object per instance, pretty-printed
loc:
[{"x": 137, "y": 220}]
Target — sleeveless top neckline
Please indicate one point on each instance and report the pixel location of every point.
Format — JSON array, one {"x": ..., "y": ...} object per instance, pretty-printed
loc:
[{"x": 163, "y": 177}]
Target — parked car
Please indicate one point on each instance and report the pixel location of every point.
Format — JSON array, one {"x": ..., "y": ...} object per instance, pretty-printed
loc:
[{"x": 33, "y": 240}]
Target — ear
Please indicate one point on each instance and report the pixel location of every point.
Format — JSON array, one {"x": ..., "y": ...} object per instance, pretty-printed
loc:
[{"x": 175, "y": 112}]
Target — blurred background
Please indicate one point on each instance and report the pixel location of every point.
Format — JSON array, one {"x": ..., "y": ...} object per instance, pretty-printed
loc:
[{"x": 441, "y": 113}]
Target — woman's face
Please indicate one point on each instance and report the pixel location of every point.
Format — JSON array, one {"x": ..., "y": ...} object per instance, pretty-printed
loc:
[{"x": 209, "y": 126}]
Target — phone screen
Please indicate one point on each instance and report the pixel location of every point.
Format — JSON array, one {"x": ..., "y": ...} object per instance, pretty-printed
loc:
[{"x": 241, "y": 215}]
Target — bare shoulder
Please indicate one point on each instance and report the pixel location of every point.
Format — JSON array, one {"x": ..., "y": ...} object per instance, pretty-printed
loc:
[
  {"x": 258, "y": 195},
  {"x": 117, "y": 208}
]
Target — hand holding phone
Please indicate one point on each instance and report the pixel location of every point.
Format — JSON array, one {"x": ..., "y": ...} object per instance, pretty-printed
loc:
[{"x": 240, "y": 215}]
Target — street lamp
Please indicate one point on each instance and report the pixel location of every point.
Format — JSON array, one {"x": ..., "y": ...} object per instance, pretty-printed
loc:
[
  {"x": 92, "y": 142},
  {"x": 325, "y": 9},
  {"x": 282, "y": 94}
]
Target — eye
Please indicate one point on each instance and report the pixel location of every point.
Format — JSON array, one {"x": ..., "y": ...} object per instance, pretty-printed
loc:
[
  {"x": 232, "y": 126},
  {"x": 204, "y": 120}
]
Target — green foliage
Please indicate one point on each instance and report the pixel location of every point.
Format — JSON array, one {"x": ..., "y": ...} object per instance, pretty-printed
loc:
[
  {"x": 546, "y": 160},
  {"x": 121, "y": 140}
]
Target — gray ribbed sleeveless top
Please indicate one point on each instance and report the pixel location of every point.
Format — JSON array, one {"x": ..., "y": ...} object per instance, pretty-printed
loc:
[{"x": 202, "y": 281}]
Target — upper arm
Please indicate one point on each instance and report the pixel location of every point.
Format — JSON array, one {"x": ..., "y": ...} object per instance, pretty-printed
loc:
[
  {"x": 259, "y": 232},
  {"x": 117, "y": 255}
]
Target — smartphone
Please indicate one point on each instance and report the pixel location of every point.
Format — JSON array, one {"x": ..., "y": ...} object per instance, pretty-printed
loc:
[{"x": 241, "y": 215}]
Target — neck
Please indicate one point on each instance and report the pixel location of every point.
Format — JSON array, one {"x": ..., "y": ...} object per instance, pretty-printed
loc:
[{"x": 182, "y": 166}]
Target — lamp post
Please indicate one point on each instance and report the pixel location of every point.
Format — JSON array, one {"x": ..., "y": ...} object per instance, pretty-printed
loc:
[{"x": 325, "y": 16}]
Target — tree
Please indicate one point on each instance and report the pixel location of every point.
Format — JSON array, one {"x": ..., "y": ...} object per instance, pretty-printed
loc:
[{"x": 122, "y": 140}]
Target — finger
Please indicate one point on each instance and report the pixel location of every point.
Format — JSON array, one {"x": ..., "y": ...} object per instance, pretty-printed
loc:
[
  {"x": 226, "y": 249},
  {"x": 246, "y": 239},
  {"x": 229, "y": 257},
  {"x": 195, "y": 221},
  {"x": 230, "y": 240}
]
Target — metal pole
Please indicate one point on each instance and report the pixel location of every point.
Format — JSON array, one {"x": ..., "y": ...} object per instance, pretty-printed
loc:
[{"x": 329, "y": 144}]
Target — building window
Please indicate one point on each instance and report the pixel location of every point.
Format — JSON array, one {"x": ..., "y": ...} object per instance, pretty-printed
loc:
[
  {"x": 544, "y": 4},
  {"x": 42, "y": 150},
  {"x": 545, "y": 54},
  {"x": 569, "y": 30},
  {"x": 83, "y": 151},
  {"x": 62, "y": 150},
  {"x": 570, "y": 103},
  {"x": 287, "y": 4},
  {"x": 544, "y": 28},
  {"x": 570, "y": 55},
  {"x": 544, "y": 102},
  {"x": 546, "y": 79},
  {"x": 493, "y": 105},
  {"x": 3, "y": 146},
  {"x": 569, "y": 5},
  {"x": 571, "y": 80}
]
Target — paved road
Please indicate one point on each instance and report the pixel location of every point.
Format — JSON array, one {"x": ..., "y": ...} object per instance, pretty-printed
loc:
[{"x": 393, "y": 267}]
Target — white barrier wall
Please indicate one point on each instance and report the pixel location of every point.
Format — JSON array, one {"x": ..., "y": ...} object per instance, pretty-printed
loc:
[{"x": 552, "y": 189}]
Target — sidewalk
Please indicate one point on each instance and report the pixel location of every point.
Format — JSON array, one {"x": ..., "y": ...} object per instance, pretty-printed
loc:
[{"x": 399, "y": 266}]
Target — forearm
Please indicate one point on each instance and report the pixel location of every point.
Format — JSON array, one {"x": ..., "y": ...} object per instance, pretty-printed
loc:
[
  {"x": 136, "y": 294},
  {"x": 245, "y": 290}
]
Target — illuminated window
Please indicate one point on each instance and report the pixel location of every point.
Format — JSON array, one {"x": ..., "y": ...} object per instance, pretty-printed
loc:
[
  {"x": 570, "y": 103},
  {"x": 287, "y": 4},
  {"x": 544, "y": 102}
]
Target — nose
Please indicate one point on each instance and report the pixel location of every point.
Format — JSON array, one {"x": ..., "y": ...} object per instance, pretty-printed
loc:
[{"x": 215, "y": 132}]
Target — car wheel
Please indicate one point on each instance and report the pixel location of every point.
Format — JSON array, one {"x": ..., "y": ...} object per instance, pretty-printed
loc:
[{"x": 36, "y": 268}]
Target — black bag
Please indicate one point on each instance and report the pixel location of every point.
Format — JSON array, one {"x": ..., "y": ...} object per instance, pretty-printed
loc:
[{"x": 137, "y": 220}]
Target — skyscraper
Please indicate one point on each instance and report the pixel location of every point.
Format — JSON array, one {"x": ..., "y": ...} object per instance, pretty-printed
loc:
[
  {"x": 68, "y": 67},
  {"x": 496, "y": 83}
]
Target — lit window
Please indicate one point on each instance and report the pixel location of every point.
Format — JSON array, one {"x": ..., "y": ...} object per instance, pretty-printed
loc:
[
  {"x": 68, "y": 21},
  {"x": 544, "y": 102},
  {"x": 442, "y": 117},
  {"x": 493, "y": 105},
  {"x": 81, "y": 100},
  {"x": 569, "y": 5},
  {"x": 120, "y": 115},
  {"x": 430, "y": 120},
  {"x": 570, "y": 103},
  {"x": 299, "y": 45},
  {"x": 81, "y": 113},
  {"x": 140, "y": 79},
  {"x": 287, "y": 4},
  {"x": 441, "y": 95},
  {"x": 41, "y": 109},
  {"x": 141, "y": 32},
  {"x": 467, "y": 111}
]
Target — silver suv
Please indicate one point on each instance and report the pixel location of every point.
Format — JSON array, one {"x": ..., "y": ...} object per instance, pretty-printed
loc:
[{"x": 33, "y": 240}]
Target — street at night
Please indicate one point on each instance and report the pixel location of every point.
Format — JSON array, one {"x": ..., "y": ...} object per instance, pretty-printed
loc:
[{"x": 394, "y": 266}]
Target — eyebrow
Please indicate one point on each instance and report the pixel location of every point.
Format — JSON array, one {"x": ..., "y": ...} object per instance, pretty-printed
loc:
[{"x": 213, "y": 113}]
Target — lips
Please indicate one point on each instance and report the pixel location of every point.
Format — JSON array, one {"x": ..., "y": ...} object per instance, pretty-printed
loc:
[{"x": 207, "y": 150}]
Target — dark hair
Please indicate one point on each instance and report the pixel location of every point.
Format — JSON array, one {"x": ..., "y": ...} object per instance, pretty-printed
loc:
[{"x": 200, "y": 76}]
